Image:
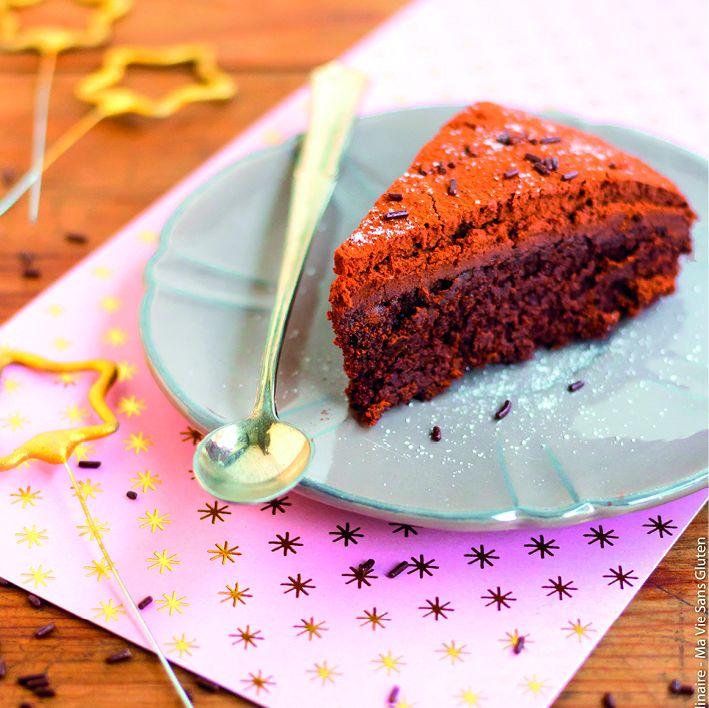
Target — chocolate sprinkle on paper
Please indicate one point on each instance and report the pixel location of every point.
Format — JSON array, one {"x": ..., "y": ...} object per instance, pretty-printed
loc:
[
  {"x": 530, "y": 157},
  {"x": 395, "y": 196},
  {"x": 145, "y": 602},
  {"x": 207, "y": 685},
  {"x": 393, "y": 696},
  {"x": 119, "y": 656},
  {"x": 45, "y": 631},
  {"x": 89, "y": 464},
  {"x": 576, "y": 385},
  {"x": 131, "y": 495},
  {"x": 539, "y": 167},
  {"x": 74, "y": 237},
  {"x": 568, "y": 176},
  {"x": 34, "y": 600},
  {"x": 519, "y": 645},
  {"x": 608, "y": 701},
  {"x": 550, "y": 139},
  {"x": 503, "y": 410},
  {"x": 401, "y": 214},
  {"x": 398, "y": 569},
  {"x": 436, "y": 433},
  {"x": 510, "y": 174},
  {"x": 367, "y": 565},
  {"x": 453, "y": 188}
]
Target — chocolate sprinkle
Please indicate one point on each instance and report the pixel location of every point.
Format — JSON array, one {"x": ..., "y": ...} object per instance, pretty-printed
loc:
[
  {"x": 568, "y": 176},
  {"x": 470, "y": 152},
  {"x": 45, "y": 631},
  {"x": 436, "y": 433},
  {"x": 119, "y": 656},
  {"x": 551, "y": 163},
  {"x": 401, "y": 214},
  {"x": 89, "y": 464},
  {"x": 27, "y": 257},
  {"x": 519, "y": 645},
  {"x": 9, "y": 175},
  {"x": 74, "y": 237},
  {"x": 395, "y": 196},
  {"x": 539, "y": 167},
  {"x": 398, "y": 569},
  {"x": 3, "y": 668},
  {"x": 504, "y": 410},
  {"x": 393, "y": 695},
  {"x": 131, "y": 495},
  {"x": 439, "y": 168},
  {"x": 207, "y": 685},
  {"x": 34, "y": 600},
  {"x": 28, "y": 678},
  {"x": 576, "y": 385},
  {"x": 453, "y": 188},
  {"x": 504, "y": 138},
  {"x": 45, "y": 693},
  {"x": 451, "y": 165},
  {"x": 608, "y": 701},
  {"x": 26, "y": 704},
  {"x": 510, "y": 174},
  {"x": 31, "y": 273},
  {"x": 680, "y": 689},
  {"x": 550, "y": 139},
  {"x": 145, "y": 602},
  {"x": 367, "y": 565},
  {"x": 530, "y": 157},
  {"x": 34, "y": 684}
]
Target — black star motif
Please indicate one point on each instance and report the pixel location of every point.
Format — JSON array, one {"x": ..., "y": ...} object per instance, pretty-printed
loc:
[
  {"x": 601, "y": 536},
  {"x": 540, "y": 546},
  {"x": 346, "y": 534},
  {"x": 659, "y": 526},
  {"x": 406, "y": 529},
  {"x": 421, "y": 566},
  {"x": 285, "y": 543},
  {"x": 436, "y": 609},
  {"x": 247, "y": 637},
  {"x": 497, "y": 597},
  {"x": 558, "y": 586},
  {"x": 621, "y": 577},
  {"x": 361, "y": 574},
  {"x": 277, "y": 505},
  {"x": 191, "y": 434},
  {"x": 480, "y": 555},
  {"x": 214, "y": 512},
  {"x": 298, "y": 585}
]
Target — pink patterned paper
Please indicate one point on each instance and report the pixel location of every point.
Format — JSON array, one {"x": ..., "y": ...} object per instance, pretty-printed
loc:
[{"x": 269, "y": 601}]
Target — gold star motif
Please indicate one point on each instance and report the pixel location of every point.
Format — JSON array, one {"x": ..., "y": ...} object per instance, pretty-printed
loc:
[
  {"x": 311, "y": 628},
  {"x": 94, "y": 530},
  {"x": 533, "y": 685},
  {"x": 101, "y": 272},
  {"x": 258, "y": 681},
  {"x": 137, "y": 443},
  {"x": 512, "y": 639},
  {"x": 578, "y": 629},
  {"x": 87, "y": 489},
  {"x": 83, "y": 451},
  {"x": 74, "y": 413},
  {"x": 110, "y": 304},
  {"x": 451, "y": 650},
  {"x": 115, "y": 336},
  {"x": 126, "y": 371},
  {"x": 32, "y": 536},
  {"x": 61, "y": 344},
  {"x": 10, "y": 385},
  {"x": 55, "y": 310},
  {"x": 15, "y": 421},
  {"x": 108, "y": 611},
  {"x": 224, "y": 552},
  {"x": 162, "y": 560},
  {"x": 325, "y": 673},
  {"x": 67, "y": 378},
  {"x": 130, "y": 406},
  {"x": 39, "y": 577},
  {"x": 99, "y": 569},
  {"x": 272, "y": 136},
  {"x": 182, "y": 645},
  {"x": 147, "y": 237},
  {"x": 374, "y": 619},
  {"x": 26, "y": 497},
  {"x": 146, "y": 481},
  {"x": 388, "y": 662},
  {"x": 155, "y": 520},
  {"x": 235, "y": 594},
  {"x": 172, "y": 603},
  {"x": 247, "y": 637},
  {"x": 469, "y": 698}
]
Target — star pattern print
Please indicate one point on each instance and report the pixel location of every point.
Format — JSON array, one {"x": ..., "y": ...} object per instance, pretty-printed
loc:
[{"x": 309, "y": 621}]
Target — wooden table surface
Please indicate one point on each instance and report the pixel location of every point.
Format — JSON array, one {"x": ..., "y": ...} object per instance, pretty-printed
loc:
[{"x": 118, "y": 170}]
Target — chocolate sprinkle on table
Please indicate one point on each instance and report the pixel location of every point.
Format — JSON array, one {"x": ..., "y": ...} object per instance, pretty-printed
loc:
[
  {"x": 28, "y": 678},
  {"x": 539, "y": 167},
  {"x": 568, "y": 176},
  {"x": 504, "y": 410},
  {"x": 119, "y": 656},
  {"x": 530, "y": 157},
  {"x": 34, "y": 600},
  {"x": 145, "y": 602},
  {"x": 131, "y": 495},
  {"x": 401, "y": 214},
  {"x": 395, "y": 196},
  {"x": 680, "y": 689},
  {"x": 3, "y": 668},
  {"x": 453, "y": 188},
  {"x": 367, "y": 565},
  {"x": 34, "y": 684},
  {"x": 26, "y": 704},
  {"x": 608, "y": 701},
  {"x": 550, "y": 139},
  {"x": 576, "y": 385},
  {"x": 398, "y": 569},
  {"x": 436, "y": 433},
  {"x": 207, "y": 685},
  {"x": 45, "y": 692},
  {"x": 74, "y": 237},
  {"x": 510, "y": 174},
  {"x": 31, "y": 273},
  {"x": 393, "y": 695},
  {"x": 89, "y": 464},
  {"x": 45, "y": 631}
]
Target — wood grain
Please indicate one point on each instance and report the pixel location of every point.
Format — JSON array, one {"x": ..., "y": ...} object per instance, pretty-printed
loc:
[{"x": 116, "y": 172}]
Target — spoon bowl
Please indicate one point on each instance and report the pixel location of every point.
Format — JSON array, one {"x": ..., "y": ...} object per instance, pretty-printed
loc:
[{"x": 252, "y": 460}]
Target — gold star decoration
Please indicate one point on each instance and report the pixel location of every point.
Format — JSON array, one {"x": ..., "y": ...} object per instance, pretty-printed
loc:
[
  {"x": 469, "y": 698},
  {"x": 75, "y": 414},
  {"x": 83, "y": 451},
  {"x": 154, "y": 520},
  {"x": 87, "y": 489},
  {"x": 108, "y": 611},
  {"x": 235, "y": 594},
  {"x": 55, "y": 310},
  {"x": 94, "y": 530},
  {"x": 223, "y": 552},
  {"x": 258, "y": 681},
  {"x": 390, "y": 663},
  {"x": 15, "y": 421},
  {"x": 451, "y": 650},
  {"x": 146, "y": 481},
  {"x": 98, "y": 569},
  {"x": 162, "y": 560},
  {"x": 101, "y": 272},
  {"x": 374, "y": 619},
  {"x": 61, "y": 344},
  {"x": 137, "y": 443},
  {"x": 39, "y": 577},
  {"x": 512, "y": 639},
  {"x": 148, "y": 237},
  {"x": 578, "y": 629},
  {"x": 247, "y": 636},
  {"x": 10, "y": 385},
  {"x": 311, "y": 628},
  {"x": 110, "y": 304},
  {"x": 130, "y": 406},
  {"x": 533, "y": 685},
  {"x": 32, "y": 536},
  {"x": 172, "y": 603},
  {"x": 324, "y": 673},
  {"x": 126, "y": 371},
  {"x": 26, "y": 497},
  {"x": 182, "y": 645},
  {"x": 116, "y": 337},
  {"x": 67, "y": 379}
]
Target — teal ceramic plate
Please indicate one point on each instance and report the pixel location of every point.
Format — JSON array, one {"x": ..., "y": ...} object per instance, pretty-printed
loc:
[{"x": 634, "y": 436}]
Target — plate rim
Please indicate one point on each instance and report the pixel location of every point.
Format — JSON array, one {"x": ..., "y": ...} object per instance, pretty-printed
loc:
[{"x": 507, "y": 518}]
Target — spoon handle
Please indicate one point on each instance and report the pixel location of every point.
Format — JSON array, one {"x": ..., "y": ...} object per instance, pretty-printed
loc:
[{"x": 335, "y": 92}]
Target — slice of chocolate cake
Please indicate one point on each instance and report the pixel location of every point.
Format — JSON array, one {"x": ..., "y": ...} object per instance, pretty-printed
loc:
[{"x": 507, "y": 233}]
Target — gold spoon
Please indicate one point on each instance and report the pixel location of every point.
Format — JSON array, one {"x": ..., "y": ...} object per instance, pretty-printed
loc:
[{"x": 260, "y": 457}]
